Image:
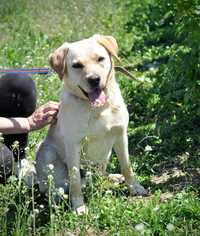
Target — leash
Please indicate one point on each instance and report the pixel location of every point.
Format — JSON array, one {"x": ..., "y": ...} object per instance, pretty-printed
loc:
[
  {"x": 40, "y": 71},
  {"x": 48, "y": 71},
  {"x": 127, "y": 73}
]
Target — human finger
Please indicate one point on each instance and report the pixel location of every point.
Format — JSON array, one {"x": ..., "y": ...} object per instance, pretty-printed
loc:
[{"x": 51, "y": 106}]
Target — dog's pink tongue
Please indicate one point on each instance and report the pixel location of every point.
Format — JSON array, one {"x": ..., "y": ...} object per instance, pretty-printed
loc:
[{"x": 97, "y": 97}]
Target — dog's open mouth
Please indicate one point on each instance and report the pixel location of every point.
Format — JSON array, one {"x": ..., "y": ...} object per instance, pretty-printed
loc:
[{"x": 96, "y": 97}]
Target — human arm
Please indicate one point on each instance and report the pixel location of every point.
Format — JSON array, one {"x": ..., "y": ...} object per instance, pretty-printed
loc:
[{"x": 45, "y": 114}]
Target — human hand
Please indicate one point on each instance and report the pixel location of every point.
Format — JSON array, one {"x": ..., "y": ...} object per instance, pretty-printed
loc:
[{"x": 44, "y": 115}]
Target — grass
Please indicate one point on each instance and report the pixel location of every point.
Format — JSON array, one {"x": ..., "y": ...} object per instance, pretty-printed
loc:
[{"x": 29, "y": 31}]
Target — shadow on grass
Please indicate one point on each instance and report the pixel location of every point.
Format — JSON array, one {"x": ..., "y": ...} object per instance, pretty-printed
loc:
[{"x": 174, "y": 178}]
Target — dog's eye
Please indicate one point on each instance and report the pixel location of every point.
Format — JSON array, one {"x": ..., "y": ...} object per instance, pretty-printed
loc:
[
  {"x": 100, "y": 59},
  {"x": 77, "y": 65}
]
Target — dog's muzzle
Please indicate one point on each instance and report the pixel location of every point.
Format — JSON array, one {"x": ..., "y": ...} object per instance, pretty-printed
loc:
[
  {"x": 96, "y": 96},
  {"x": 93, "y": 81}
]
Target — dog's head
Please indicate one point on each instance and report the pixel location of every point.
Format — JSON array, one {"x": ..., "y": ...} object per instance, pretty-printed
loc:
[{"x": 86, "y": 66}]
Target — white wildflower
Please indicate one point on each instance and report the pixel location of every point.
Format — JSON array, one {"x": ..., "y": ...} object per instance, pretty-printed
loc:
[
  {"x": 148, "y": 148},
  {"x": 15, "y": 145},
  {"x": 108, "y": 192},
  {"x": 156, "y": 208},
  {"x": 65, "y": 196},
  {"x": 27, "y": 149},
  {"x": 51, "y": 166},
  {"x": 88, "y": 174},
  {"x": 61, "y": 191},
  {"x": 42, "y": 206},
  {"x": 170, "y": 227},
  {"x": 36, "y": 211},
  {"x": 139, "y": 227}
]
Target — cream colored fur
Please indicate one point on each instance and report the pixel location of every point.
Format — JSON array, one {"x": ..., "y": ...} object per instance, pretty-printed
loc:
[{"x": 99, "y": 128}]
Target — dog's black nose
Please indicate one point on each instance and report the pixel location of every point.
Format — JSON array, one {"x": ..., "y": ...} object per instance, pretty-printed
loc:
[{"x": 94, "y": 80}]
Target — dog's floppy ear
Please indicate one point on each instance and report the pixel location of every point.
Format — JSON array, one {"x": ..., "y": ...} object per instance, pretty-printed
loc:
[
  {"x": 109, "y": 43},
  {"x": 57, "y": 59}
]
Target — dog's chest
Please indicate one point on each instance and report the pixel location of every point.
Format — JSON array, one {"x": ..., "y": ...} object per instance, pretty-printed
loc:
[
  {"x": 103, "y": 127},
  {"x": 79, "y": 121},
  {"x": 103, "y": 121}
]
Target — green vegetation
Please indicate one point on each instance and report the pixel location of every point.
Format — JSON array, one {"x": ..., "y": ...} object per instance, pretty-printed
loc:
[{"x": 159, "y": 43}]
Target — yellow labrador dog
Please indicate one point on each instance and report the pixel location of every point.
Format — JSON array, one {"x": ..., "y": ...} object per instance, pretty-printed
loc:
[{"x": 92, "y": 109}]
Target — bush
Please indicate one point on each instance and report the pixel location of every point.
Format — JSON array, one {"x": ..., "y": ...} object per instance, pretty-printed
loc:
[{"x": 165, "y": 41}]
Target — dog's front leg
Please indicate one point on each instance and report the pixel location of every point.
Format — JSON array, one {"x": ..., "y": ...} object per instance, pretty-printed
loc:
[
  {"x": 121, "y": 149},
  {"x": 72, "y": 159}
]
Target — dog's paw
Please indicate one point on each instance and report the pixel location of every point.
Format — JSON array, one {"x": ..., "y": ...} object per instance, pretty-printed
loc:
[
  {"x": 116, "y": 178},
  {"x": 81, "y": 210},
  {"x": 137, "y": 189},
  {"x": 78, "y": 205}
]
